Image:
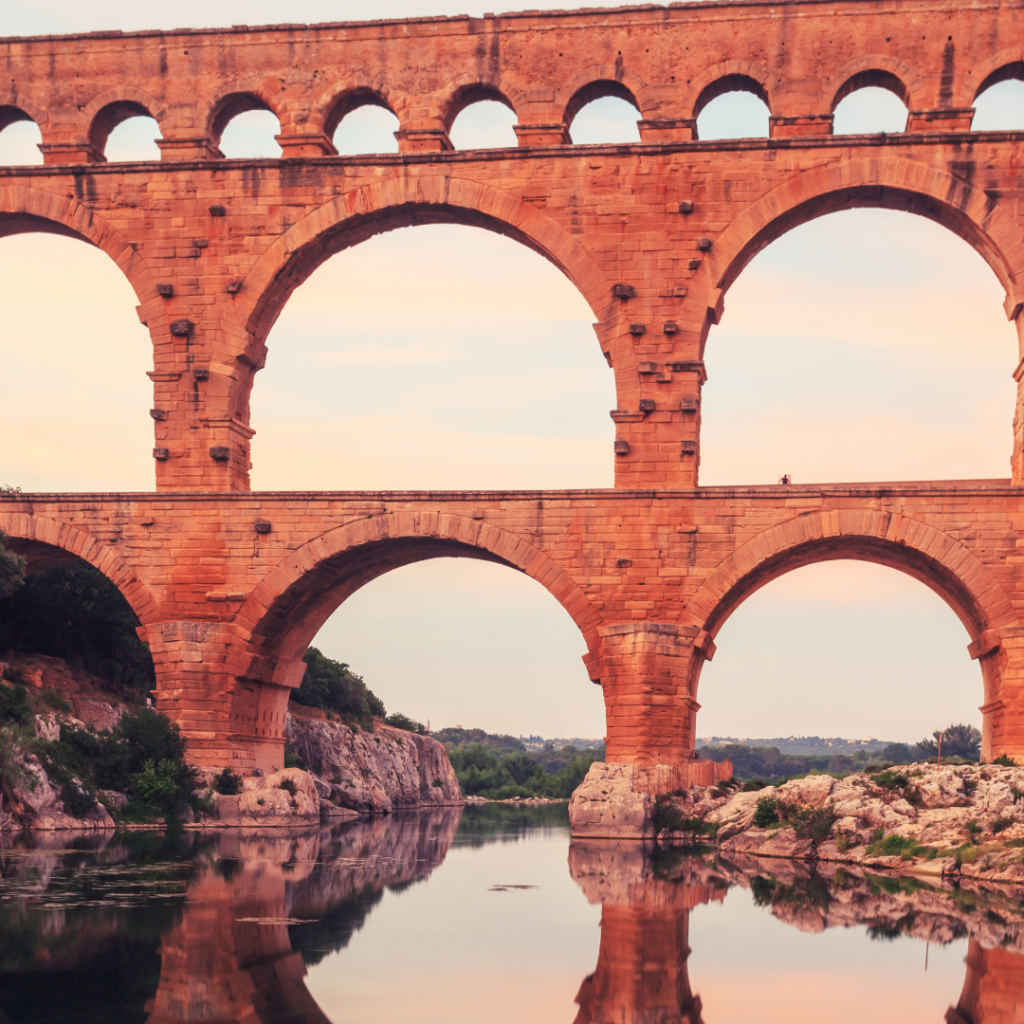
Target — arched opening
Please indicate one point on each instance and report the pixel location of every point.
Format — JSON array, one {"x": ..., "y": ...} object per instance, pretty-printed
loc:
[
  {"x": 732, "y": 107},
  {"x": 999, "y": 102},
  {"x": 473, "y": 633},
  {"x": 481, "y": 117},
  {"x": 603, "y": 112},
  {"x": 862, "y": 345},
  {"x": 124, "y": 131},
  {"x": 67, "y": 609},
  {"x": 484, "y": 373},
  {"x": 362, "y": 122},
  {"x": 74, "y": 397},
  {"x": 869, "y": 102},
  {"x": 244, "y": 127},
  {"x": 844, "y": 651},
  {"x": 19, "y": 138}
]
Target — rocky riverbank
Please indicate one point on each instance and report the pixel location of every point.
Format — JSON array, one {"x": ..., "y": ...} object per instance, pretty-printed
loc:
[
  {"x": 963, "y": 821},
  {"x": 342, "y": 772}
]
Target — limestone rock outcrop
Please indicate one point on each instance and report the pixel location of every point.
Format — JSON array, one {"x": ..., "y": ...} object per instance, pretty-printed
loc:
[{"x": 372, "y": 772}]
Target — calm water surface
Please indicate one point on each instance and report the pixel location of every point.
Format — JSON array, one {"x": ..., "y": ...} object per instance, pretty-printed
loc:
[{"x": 484, "y": 915}]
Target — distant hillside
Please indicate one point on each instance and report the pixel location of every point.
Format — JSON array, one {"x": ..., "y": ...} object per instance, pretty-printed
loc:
[{"x": 826, "y": 745}]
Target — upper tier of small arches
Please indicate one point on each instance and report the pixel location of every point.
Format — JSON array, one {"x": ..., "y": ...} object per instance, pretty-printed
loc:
[{"x": 310, "y": 112}]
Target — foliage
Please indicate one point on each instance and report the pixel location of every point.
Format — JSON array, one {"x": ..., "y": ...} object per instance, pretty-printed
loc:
[
  {"x": 766, "y": 813},
  {"x": 957, "y": 741},
  {"x": 56, "y": 701},
  {"x": 72, "y": 611},
  {"x": 1005, "y": 760},
  {"x": 896, "y": 846},
  {"x": 459, "y": 737},
  {"x": 288, "y": 785},
  {"x": 399, "y": 721},
  {"x": 143, "y": 757},
  {"x": 890, "y": 780},
  {"x": 14, "y": 706},
  {"x": 332, "y": 686},
  {"x": 227, "y": 783},
  {"x": 898, "y": 753},
  {"x": 500, "y": 773},
  {"x": 12, "y": 569},
  {"x": 1001, "y": 824},
  {"x": 973, "y": 829}
]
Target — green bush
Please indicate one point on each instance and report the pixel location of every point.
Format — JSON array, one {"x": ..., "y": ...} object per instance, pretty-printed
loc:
[
  {"x": 332, "y": 686},
  {"x": 72, "y": 611},
  {"x": 890, "y": 780},
  {"x": 12, "y": 569},
  {"x": 227, "y": 783},
  {"x": 400, "y": 721},
  {"x": 288, "y": 785},
  {"x": 143, "y": 757},
  {"x": 14, "y": 706},
  {"x": 1001, "y": 824},
  {"x": 766, "y": 812},
  {"x": 56, "y": 701},
  {"x": 1005, "y": 760},
  {"x": 973, "y": 829}
]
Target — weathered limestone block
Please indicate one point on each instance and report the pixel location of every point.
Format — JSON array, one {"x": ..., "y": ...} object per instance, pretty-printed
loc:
[
  {"x": 46, "y": 809},
  {"x": 274, "y": 803},
  {"x": 605, "y": 805}
]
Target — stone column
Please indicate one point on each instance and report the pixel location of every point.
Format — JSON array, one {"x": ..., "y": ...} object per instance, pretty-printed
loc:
[
  {"x": 1000, "y": 653},
  {"x": 993, "y": 990},
  {"x": 641, "y": 974},
  {"x": 207, "y": 684},
  {"x": 648, "y": 671}
]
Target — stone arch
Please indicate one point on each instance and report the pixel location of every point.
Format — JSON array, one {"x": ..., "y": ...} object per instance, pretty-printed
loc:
[
  {"x": 890, "y": 183},
  {"x": 36, "y": 537},
  {"x": 332, "y": 109},
  {"x": 231, "y": 101},
  {"x": 879, "y": 71},
  {"x": 900, "y": 542},
  {"x": 283, "y": 614},
  {"x": 109, "y": 109},
  {"x": 602, "y": 80},
  {"x": 25, "y": 209},
  {"x": 1005, "y": 65},
  {"x": 731, "y": 76},
  {"x": 356, "y": 216},
  {"x": 470, "y": 89},
  {"x": 12, "y": 113}
]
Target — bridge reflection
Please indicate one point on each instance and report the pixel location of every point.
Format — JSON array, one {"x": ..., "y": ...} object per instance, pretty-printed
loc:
[{"x": 238, "y": 920}]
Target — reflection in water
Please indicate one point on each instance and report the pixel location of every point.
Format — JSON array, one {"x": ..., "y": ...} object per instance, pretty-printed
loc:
[
  {"x": 223, "y": 928},
  {"x": 647, "y": 894}
]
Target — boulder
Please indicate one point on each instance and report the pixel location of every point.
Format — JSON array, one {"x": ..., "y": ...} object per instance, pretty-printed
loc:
[{"x": 604, "y": 805}]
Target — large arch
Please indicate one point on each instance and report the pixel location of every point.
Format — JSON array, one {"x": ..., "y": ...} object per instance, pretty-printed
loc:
[
  {"x": 25, "y": 210},
  {"x": 44, "y": 542},
  {"x": 891, "y": 539},
  {"x": 356, "y": 216},
  {"x": 887, "y": 182},
  {"x": 282, "y": 615}
]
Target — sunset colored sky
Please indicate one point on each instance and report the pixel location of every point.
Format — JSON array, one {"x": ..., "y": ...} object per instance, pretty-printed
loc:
[{"x": 865, "y": 346}]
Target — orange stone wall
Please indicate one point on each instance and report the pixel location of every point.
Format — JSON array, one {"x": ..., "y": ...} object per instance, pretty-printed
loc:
[{"x": 652, "y": 234}]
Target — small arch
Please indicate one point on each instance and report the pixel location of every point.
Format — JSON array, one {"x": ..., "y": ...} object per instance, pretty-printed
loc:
[
  {"x": 731, "y": 83},
  {"x": 44, "y": 542},
  {"x": 228, "y": 106},
  {"x": 999, "y": 99},
  {"x": 1007, "y": 65},
  {"x": 106, "y": 116},
  {"x": 470, "y": 93},
  {"x": 872, "y": 78},
  {"x": 480, "y": 116},
  {"x": 19, "y": 145},
  {"x": 595, "y": 91},
  {"x": 351, "y": 100}
]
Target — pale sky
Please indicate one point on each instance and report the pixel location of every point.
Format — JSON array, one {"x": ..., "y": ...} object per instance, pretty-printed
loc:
[{"x": 865, "y": 346}]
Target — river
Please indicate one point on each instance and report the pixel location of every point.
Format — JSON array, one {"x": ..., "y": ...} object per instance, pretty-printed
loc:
[{"x": 488, "y": 914}]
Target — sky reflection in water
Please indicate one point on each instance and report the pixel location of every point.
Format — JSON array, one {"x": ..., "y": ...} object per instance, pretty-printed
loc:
[{"x": 492, "y": 918}]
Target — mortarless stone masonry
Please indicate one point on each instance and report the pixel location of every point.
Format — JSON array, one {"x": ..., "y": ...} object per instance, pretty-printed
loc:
[{"x": 652, "y": 234}]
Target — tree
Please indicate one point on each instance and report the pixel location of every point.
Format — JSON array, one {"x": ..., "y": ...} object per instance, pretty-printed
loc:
[
  {"x": 12, "y": 569},
  {"x": 898, "y": 753},
  {"x": 332, "y": 686},
  {"x": 957, "y": 741}
]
